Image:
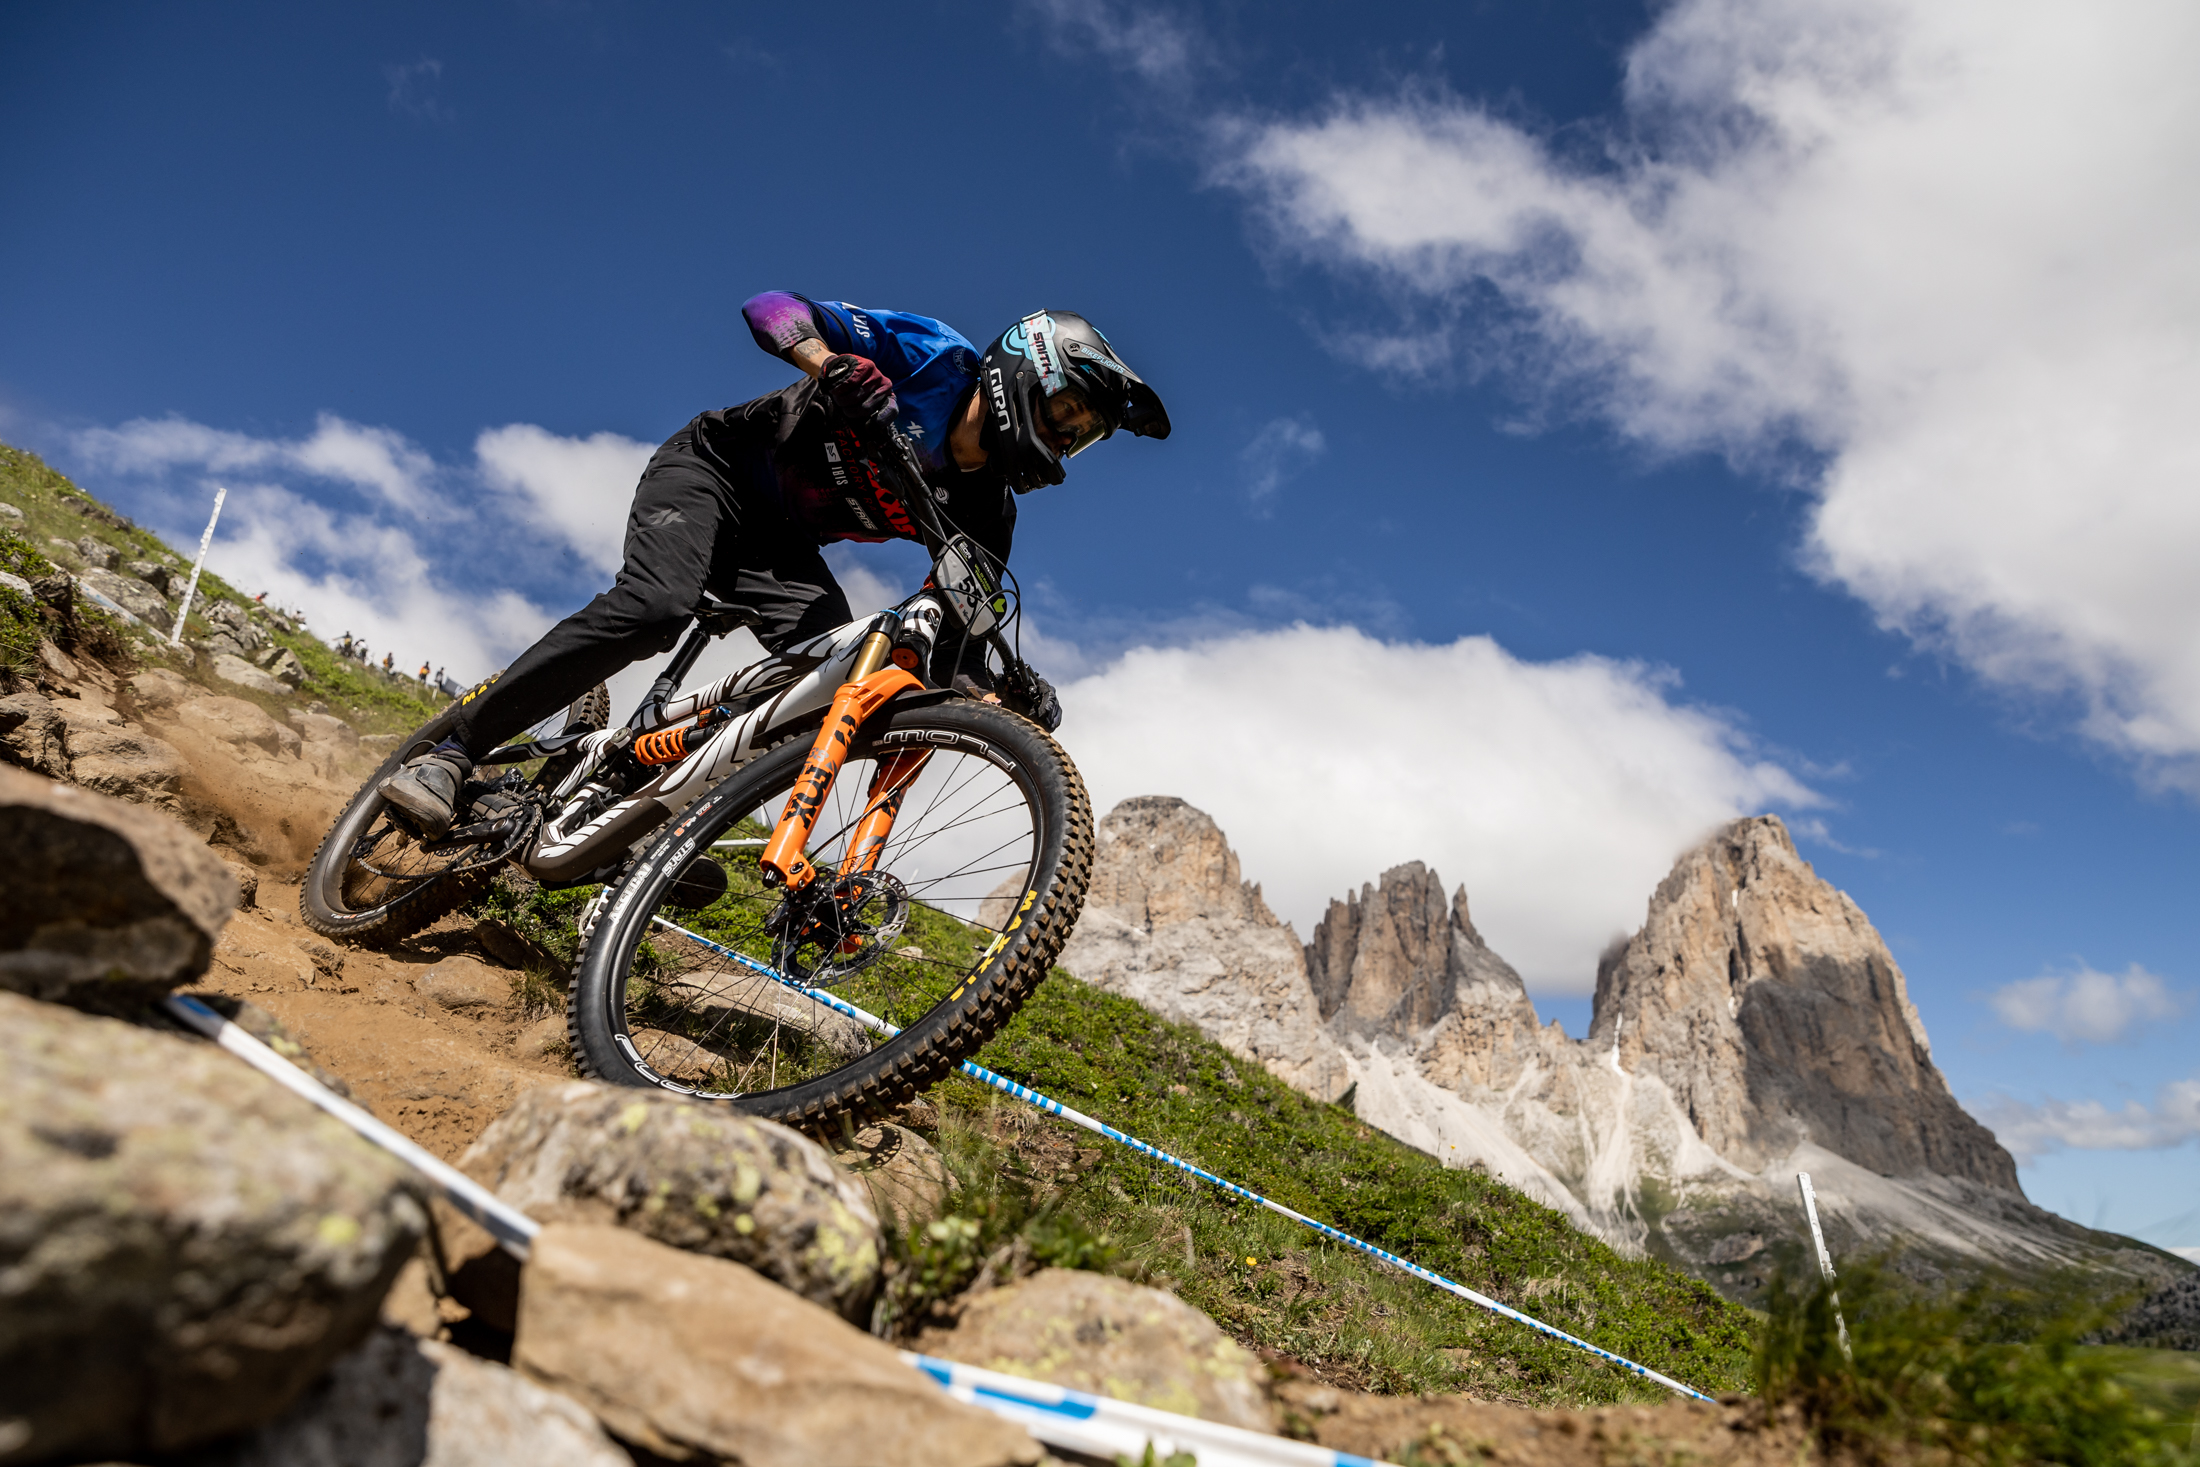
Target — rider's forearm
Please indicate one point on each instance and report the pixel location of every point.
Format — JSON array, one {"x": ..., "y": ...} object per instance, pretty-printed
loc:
[{"x": 783, "y": 325}]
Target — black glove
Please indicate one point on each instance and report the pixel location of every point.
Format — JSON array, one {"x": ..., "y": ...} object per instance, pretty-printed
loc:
[
  {"x": 1033, "y": 696},
  {"x": 859, "y": 396}
]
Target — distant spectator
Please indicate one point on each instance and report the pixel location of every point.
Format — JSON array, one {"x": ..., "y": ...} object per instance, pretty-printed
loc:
[
  {"x": 343, "y": 648},
  {"x": 423, "y": 672},
  {"x": 389, "y": 662},
  {"x": 260, "y": 599},
  {"x": 440, "y": 680}
]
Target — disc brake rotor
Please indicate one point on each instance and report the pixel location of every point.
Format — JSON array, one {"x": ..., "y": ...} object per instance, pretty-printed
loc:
[{"x": 840, "y": 927}]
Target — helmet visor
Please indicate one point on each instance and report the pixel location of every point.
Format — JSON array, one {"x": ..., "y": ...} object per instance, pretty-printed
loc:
[{"x": 1069, "y": 423}]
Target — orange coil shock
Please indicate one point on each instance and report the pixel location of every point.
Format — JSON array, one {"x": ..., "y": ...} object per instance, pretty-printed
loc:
[{"x": 670, "y": 745}]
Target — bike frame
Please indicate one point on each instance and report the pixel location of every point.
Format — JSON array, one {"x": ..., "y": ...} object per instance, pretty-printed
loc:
[{"x": 845, "y": 674}]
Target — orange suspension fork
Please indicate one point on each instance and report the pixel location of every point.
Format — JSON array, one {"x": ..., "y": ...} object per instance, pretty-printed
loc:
[
  {"x": 896, "y": 772},
  {"x": 783, "y": 862}
]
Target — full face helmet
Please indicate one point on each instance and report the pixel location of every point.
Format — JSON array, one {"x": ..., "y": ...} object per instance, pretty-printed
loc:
[{"x": 1053, "y": 387}]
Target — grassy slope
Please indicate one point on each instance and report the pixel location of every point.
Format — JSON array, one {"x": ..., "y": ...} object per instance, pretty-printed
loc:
[
  {"x": 54, "y": 507},
  {"x": 1278, "y": 1286},
  {"x": 1055, "y": 1194}
]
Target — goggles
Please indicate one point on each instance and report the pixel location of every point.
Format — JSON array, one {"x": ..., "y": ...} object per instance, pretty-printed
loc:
[{"x": 1069, "y": 422}]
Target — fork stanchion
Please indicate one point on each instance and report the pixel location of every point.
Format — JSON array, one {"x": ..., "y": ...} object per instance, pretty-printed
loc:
[{"x": 1054, "y": 1107}]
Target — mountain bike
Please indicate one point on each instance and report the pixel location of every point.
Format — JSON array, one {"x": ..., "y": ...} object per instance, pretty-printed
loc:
[{"x": 825, "y": 879}]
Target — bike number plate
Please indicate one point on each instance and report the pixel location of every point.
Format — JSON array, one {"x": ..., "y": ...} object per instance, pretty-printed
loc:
[{"x": 971, "y": 590}]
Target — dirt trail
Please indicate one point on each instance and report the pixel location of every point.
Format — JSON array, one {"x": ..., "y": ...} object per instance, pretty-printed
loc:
[{"x": 437, "y": 1074}]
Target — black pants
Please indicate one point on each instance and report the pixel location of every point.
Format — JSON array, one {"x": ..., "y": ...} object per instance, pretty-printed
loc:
[{"x": 692, "y": 529}]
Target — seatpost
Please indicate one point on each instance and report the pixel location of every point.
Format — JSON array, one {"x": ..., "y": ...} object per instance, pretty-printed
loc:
[{"x": 683, "y": 663}]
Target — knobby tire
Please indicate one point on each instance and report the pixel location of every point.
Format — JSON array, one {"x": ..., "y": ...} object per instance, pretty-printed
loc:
[{"x": 626, "y": 938}]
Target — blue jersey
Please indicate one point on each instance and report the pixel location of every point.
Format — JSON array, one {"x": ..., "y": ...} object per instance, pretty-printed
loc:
[
  {"x": 932, "y": 366},
  {"x": 815, "y": 471}
]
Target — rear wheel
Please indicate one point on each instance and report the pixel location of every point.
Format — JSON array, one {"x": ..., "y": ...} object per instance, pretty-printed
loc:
[
  {"x": 373, "y": 882},
  {"x": 695, "y": 973}
]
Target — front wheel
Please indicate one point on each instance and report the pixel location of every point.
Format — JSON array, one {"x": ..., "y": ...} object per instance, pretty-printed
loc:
[{"x": 694, "y": 976}]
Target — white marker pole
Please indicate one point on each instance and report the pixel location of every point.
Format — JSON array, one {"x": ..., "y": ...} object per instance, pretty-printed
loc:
[
  {"x": 1825, "y": 1259},
  {"x": 176, "y": 637}
]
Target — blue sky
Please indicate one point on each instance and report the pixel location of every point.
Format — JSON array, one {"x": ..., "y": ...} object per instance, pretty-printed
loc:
[{"x": 1592, "y": 420}]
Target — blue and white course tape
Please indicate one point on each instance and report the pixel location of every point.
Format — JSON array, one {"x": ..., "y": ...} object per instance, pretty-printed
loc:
[
  {"x": 1099, "y": 1128},
  {"x": 1102, "y": 1426},
  {"x": 1070, "y": 1420}
]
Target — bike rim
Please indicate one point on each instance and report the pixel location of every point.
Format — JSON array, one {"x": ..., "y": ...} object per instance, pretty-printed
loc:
[{"x": 694, "y": 1007}]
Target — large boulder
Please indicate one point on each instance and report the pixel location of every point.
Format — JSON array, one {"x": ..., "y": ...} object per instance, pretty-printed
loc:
[
  {"x": 231, "y": 668},
  {"x": 152, "y": 573},
  {"x": 1109, "y": 1337},
  {"x": 127, "y": 763},
  {"x": 237, "y": 723},
  {"x": 107, "y": 905},
  {"x": 131, "y": 594},
  {"x": 696, "y": 1176},
  {"x": 698, "y": 1358},
  {"x": 33, "y": 735},
  {"x": 184, "y": 1244},
  {"x": 401, "y": 1402},
  {"x": 907, "y": 1177}
]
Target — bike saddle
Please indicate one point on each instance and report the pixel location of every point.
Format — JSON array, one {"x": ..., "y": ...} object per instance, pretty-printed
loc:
[{"x": 720, "y": 617}]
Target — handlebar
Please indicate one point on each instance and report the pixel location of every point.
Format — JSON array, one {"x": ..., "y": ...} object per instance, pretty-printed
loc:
[{"x": 897, "y": 458}]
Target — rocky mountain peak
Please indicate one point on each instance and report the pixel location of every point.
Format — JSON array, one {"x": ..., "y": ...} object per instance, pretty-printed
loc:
[
  {"x": 1392, "y": 960},
  {"x": 1774, "y": 1013},
  {"x": 1161, "y": 862}
]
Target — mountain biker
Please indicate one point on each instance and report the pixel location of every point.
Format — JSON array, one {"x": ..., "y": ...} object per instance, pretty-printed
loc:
[{"x": 738, "y": 501}]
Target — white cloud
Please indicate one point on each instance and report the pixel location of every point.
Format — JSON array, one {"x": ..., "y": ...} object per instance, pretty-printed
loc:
[
  {"x": 2086, "y": 1005},
  {"x": 1559, "y": 793},
  {"x": 582, "y": 487},
  {"x": 2087, "y": 1125},
  {"x": 1282, "y": 448},
  {"x": 376, "y": 460},
  {"x": 420, "y": 558},
  {"x": 413, "y": 89},
  {"x": 1150, "y": 45},
  {"x": 1946, "y": 247}
]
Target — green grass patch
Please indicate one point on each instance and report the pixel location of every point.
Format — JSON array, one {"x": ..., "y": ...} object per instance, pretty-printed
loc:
[
  {"x": 1992, "y": 1373},
  {"x": 1278, "y": 1286},
  {"x": 368, "y": 701}
]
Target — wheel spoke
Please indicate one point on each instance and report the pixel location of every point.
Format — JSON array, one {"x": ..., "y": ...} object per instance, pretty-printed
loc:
[{"x": 895, "y": 940}]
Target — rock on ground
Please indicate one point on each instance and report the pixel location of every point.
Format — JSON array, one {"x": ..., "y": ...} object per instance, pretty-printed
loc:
[
  {"x": 33, "y": 735},
  {"x": 131, "y": 594},
  {"x": 184, "y": 1245},
  {"x": 465, "y": 985},
  {"x": 397, "y": 1401},
  {"x": 231, "y": 668},
  {"x": 127, "y": 763},
  {"x": 908, "y": 1179},
  {"x": 693, "y": 1357},
  {"x": 1110, "y": 1337},
  {"x": 107, "y": 906},
  {"x": 691, "y": 1174}
]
